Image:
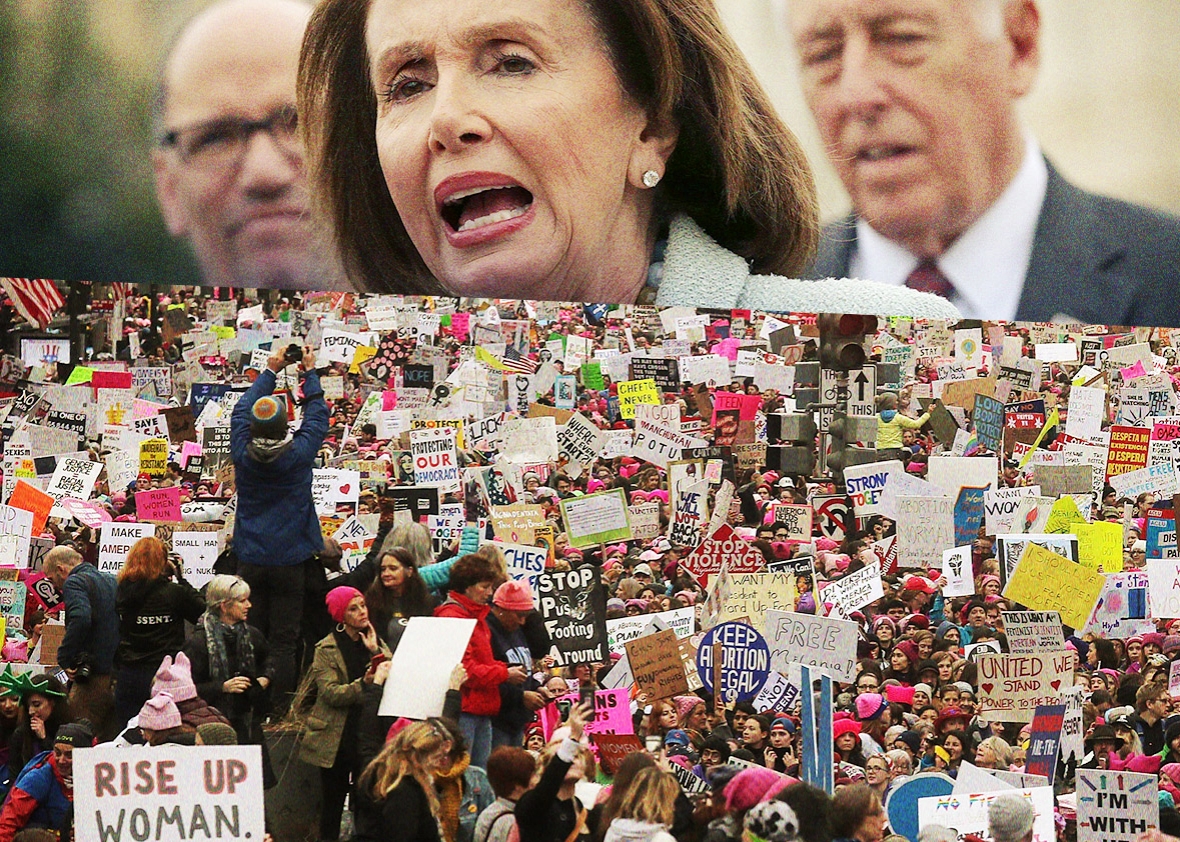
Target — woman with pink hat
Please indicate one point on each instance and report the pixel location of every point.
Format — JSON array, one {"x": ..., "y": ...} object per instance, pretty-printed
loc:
[{"x": 345, "y": 660}]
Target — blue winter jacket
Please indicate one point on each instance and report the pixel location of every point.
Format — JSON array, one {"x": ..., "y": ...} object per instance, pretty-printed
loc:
[
  {"x": 92, "y": 621},
  {"x": 276, "y": 523}
]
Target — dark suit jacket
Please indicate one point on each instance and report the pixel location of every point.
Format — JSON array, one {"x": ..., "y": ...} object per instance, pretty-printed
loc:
[{"x": 1095, "y": 259}]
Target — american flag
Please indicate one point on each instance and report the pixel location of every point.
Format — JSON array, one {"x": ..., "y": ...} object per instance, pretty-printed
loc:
[
  {"x": 514, "y": 361},
  {"x": 122, "y": 290},
  {"x": 37, "y": 299}
]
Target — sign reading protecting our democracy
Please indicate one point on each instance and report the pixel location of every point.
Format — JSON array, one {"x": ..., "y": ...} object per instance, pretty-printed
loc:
[
  {"x": 436, "y": 459},
  {"x": 596, "y": 518},
  {"x": 822, "y": 643},
  {"x": 572, "y": 604},
  {"x": 1044, "y": 581},
  {"x": 175, "y": 793},
  {"x": 1011, "y": 686},
  {"x": 1033, "y": 632},
  {"x": 745, "y": 661},
  {"x": 1116, "y": 806}
]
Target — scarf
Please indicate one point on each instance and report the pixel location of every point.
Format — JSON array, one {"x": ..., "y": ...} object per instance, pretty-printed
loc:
[
  {"x": 449, "y": 786},
  {"x": 888, "y": 415},
  {"x": 217, "y": 637}
]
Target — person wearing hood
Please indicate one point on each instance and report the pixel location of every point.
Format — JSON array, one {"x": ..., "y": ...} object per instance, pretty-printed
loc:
[
  {"x": 43, "y": 795},
  {"x": 276, "y": 529},
  {"x": 474, "y": 579},
  {"x": 647, "y": 809},
  {"x": 154, "y": 602},
  {"x": 890, "y": 424}
]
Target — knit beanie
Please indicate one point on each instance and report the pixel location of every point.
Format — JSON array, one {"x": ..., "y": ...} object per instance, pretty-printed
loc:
[
  {"x": 159, "y": 713},
  {"x": 175, "y": 677},
  {"x": 1009, "y": 818},
  {"x": 268, "y": 419},
  {"x": 76, "y": 734},
  {"x": 844, "y": 725},
  {"x": 751, "y": 786},
  {"x": 772, "y": 821},
  {"x": 338, "y": 600},
  {"x": 217, "y": 734},
  {"x": 869, "y": 706},
  {"x": 685, "y": 704}
]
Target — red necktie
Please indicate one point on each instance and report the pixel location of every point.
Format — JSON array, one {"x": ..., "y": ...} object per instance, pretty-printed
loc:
[{"x": 926, "y": 277}]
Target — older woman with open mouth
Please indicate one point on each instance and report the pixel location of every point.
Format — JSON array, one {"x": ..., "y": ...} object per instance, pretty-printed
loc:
[{"x": 594, "y": 150}]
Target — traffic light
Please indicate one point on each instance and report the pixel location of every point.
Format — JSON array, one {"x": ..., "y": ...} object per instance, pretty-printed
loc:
[
  {"x": 842, "y": 338},
  {"x": 791, "y": 437},
  {"x": 842, "y": 454}
]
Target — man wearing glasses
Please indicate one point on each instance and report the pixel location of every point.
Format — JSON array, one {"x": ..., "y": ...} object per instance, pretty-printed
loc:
[
  {"x": 1153, "y": 706},
  {"x": 229, "y": 162}
]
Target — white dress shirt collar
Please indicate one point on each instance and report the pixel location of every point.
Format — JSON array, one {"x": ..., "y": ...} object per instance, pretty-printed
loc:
[{"x": 987, "y": 264}]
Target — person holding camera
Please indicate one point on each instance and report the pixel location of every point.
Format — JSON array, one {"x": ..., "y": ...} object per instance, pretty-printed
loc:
[
  {"x": 87, "y": 650},
  {"x": 153, "y": 601},
  {"x": 276, "y": 529},
  {"x": 231, "y": 664}
]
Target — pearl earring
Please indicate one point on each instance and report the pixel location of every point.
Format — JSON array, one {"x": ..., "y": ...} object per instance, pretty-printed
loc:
[{"x": 651, "y": 178}]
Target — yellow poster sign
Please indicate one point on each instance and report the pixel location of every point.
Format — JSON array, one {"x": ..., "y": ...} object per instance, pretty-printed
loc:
[
  {"x": 1045, "y": 581},
  {"x": 633, "y": 392},
  {"x": 1100, "y": 545}
]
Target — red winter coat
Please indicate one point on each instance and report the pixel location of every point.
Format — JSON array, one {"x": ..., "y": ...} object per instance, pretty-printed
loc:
[{"x": 481, "y": 690}]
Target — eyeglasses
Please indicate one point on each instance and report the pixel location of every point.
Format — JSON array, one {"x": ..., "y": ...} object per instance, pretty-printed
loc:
[
  {"x": 868, "y": 687},
  {"x": 219, "y": 145}
]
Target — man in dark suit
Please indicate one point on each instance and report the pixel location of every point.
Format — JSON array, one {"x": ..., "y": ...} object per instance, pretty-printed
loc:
[{"x": 916, "y": 103}]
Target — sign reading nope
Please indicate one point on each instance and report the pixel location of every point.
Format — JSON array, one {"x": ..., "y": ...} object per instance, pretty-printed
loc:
[{"x": 745, "y": 661}]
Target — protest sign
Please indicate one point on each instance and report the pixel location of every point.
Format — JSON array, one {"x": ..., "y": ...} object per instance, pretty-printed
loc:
[
  {"x": 175, "y": 793},
  {"x": 153, "y": 457},
  {"x": 17, "y": 523},
  {"x": 1163, "y": 576},
  {"x": 1072, "y": 726},
  {"x": 866, "y": 485},
  {"x": 974, "y": 651},
  {"x": 904, "y": 796},
  {"x": 1033, "y": 632},
  {"x": 988, "y": 417},
  {"x": 721, "y": 547},
  {"x": 436, "y": 460},
  {"x": 1121, "y": 610},
  {"x": 622, "y": 629},
  {"x": 1118, "y": 807},
  {"x": 655, "y": 663},
  {"x": 596, "y": 518},
  {"x": 1045, "y": 740},
  {"x": 1011, "y": 686},
  {"x": 688, "y": 515},
  {"x": 579, "y": 440},
  {"x": 796, "y": 518},
  {"x": 614, "y": 748},
  {"x": 1044, "y": 581},
  {"x": 822, "y": 643},
  {"x": 753, "y": 594},
  {"x": 73, "y": 478},
  {"x": 645, "y": 521},
  {"x": 956, "y": 567},
  {"x": 429, "y": 650},
  {"x": 1010, "y": 548},
  {"x": 34, "y": 500},
  {"x": 1127, "y": 451},
  {"x": 116, "y": 539},
  {"x": 524, "y": 561},
  {"x": 925, "y": 527},
  {"x": 854, "y": 591},
  {"x": 12, "y": 604},
  {"x": 1000, "y": 507},
  {"x": 158, "y": 504},
  {"x": 572, "y": 604},
  {"x": 198, "y": 552},
  {"x": 745, "y": 661},
  {"x": 633, "y": 392},
  {"x": 967, "y": 812}
]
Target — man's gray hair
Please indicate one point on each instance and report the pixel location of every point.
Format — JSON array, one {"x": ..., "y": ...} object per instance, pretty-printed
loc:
[
  {"x": 1010, "y": 818},
  {"x": 60, "y": 556}
]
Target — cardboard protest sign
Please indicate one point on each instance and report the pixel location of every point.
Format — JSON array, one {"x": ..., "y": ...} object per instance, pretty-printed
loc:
[
  {"x": 436, "y": 459},
  {"x": 1010, "y": 548},
  {"x": 722, "y": 546},
  {"x": 796, "y": 518},
  {"x": 645, "y": 521},
  {"x": 745, "y": 661},
  {"x": 1116, "y": 807},
  {"x": 158, "y": 504},
  {"x": 967, "y": 812},
  {"x": 822, "y": 643},
  {"x": 1121, "y": 610},
  {"x": 116, "y": 539},
  {"x": 622, "y": 629},
  {"x": 1033, "y": 632},
  {"x": 572, "y": 604},
  {"x": 753, "y": 594},
  {"x": 596, "y": 518},
  {"x": 854, "y": 591},
  {"x": 1045, "y": 581},
  {"x": 429, "y": 650},
  {"x": 178, "y": 792},
  {"x": 925, "y": 527},
  {"x": 1045, "y": 740},
  {"x": 655, "y": 663},
  {"x": 1011, "y": 686}
]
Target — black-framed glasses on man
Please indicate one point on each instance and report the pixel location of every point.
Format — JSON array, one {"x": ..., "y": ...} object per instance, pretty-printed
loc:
[{"x": 220, "y": 144}]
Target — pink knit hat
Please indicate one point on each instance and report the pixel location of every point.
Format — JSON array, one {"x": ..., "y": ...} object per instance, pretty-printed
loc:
[
  {"x": 844, "y": 725},
  {"x": 869, "y": 706},
  {"x": 685, "y": 704},
  {"x": 753, "y": 786},
  {"x": 159, "y": 713},
  {"x": 338, "y": 600},
  {"x": 175, "y": 677}
]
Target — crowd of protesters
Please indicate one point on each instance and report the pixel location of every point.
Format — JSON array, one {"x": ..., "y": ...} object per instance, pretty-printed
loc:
[{"x": 285, "y": 634}]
